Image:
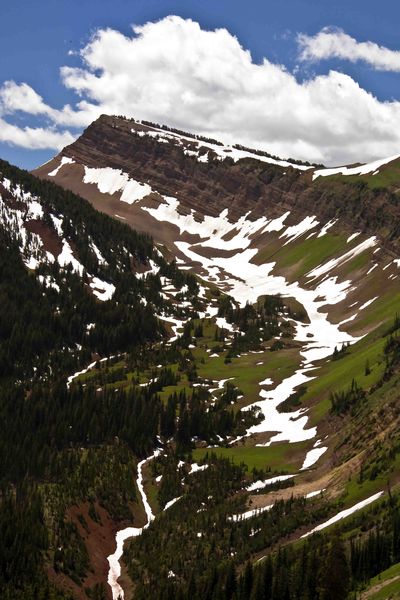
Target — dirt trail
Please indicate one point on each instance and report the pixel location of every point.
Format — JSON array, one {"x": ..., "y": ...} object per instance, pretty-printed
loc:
[{"x": 380, "y": 586}]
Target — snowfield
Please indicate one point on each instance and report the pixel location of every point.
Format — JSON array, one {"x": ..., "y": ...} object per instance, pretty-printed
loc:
[
  {"x": 110, "y": 181},
  {"x": 246, "y": 282},
  {"x": 101, "y": 289},
  {"x": 312, "y": 457}
]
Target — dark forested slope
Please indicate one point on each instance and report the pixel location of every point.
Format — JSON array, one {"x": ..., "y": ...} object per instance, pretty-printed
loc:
[{"x": 62, "y": 445}]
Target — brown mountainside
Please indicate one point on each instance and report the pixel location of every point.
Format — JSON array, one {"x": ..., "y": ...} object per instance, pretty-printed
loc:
[{"x": 249, "y": 185}]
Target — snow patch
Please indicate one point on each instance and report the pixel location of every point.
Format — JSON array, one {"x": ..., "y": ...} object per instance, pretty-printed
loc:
[
  {"x": 31, "y": 263},
  {"x": 222, "y": 323},
  {"x": 197, "y": 148},
  {"x": 297, "y": 230},
  {"x": 326, "y": 227},
  {"x": 313, "y": 456},
  {"x": 372, "y": 268},
  {"x": 194, "y": 468},
  {"x": 250, "y": 513},
  {"x": 368, "y": 302},
  {"x": 258, "y": 485},
  {"x": 98, "y": 254},
  {"x": 49, "y": 282},
  {"x": 67, "y": 258},
  {"x": 172, "y": 502},
  {"x": 372, "y": 167},
  {"x": 110, "y": 181},
  {"x": 344, "y": 513},
  {"x": 291, "y": 426},
  {"x": 352, "y": 237},
  {"x": 64, "y": 161},
  {"x": 101, "y": 289},
  {"x": 313, "y": 494}
]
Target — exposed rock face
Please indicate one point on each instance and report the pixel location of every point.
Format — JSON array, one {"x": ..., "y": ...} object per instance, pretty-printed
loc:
[{"x": 174, "y": 165}]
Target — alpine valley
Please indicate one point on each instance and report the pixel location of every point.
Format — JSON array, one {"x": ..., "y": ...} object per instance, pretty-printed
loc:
[{"x": 199, "y": 373}]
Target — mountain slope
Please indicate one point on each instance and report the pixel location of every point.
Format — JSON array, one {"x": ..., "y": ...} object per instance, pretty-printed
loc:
[
  {"x": 208, "y": 177},
  {"x": 74, "y": 291},
  {"x": 267, "y": 376}
]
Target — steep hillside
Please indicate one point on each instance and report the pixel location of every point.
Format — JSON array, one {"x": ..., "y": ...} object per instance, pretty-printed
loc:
[
  {"x": 209, "y": 177},
  {"x": 76, "y": 288},
  {"x": 213, "y": 411}
]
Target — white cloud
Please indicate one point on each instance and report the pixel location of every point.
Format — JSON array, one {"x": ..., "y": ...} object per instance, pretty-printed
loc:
[
  {"x": 33, "y": 138},
  {"x": 16, "y": 97},
  {"x": 335, "y": 43},
  {"x": 22, "y": 97},
  {"x": 174, "y": 72}
]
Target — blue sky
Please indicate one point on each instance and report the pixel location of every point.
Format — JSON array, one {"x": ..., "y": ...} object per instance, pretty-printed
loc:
[{"x": 38, "y": 36}]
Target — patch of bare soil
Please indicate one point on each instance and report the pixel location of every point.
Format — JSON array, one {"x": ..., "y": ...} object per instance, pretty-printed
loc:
[
  {"x": 63, "y": 582},
  {"x": 9, "y": 199},
  {"x": 51, "y": 241},
  {"x": 209, "y": 252},
  {"x": 332, "y": 481},
  {"x": 290, "y": 273},
  {"x": 99, "y": 538}
]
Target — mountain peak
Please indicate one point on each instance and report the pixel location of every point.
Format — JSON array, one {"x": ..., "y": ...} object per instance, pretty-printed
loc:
[{"x": 209, "y": 177}]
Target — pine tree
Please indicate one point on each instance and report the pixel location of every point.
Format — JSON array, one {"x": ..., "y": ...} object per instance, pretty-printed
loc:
[{"x": 336, "y": 577}]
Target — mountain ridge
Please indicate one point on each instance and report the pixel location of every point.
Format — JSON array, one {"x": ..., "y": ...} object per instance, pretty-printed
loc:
[{"x": 241, "y": 185}]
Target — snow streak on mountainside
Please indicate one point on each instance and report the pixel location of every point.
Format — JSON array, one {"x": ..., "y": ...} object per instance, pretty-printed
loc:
[
  {"x": 129, "y": 532},
  {"x": 200, "y": 150},
  {"x": 42, "y": 242},
  {"x": 373, "y": 167},
  {"x": 223, "y": 243},
  {"x": 246, "y": 282}
]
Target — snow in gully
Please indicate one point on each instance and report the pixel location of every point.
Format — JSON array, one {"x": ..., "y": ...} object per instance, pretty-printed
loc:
[
  {"x": 129, "y": 532},
  {"x": 246, "y": 281}
]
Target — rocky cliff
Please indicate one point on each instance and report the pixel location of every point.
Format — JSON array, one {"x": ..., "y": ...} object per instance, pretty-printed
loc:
[{"x": 208, "y": 177}]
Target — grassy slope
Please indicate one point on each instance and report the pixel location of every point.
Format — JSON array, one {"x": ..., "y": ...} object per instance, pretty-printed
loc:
[
  {"x": 380, "y": 313},
  {"x": 337, "y": 375},
  {"x": 334, "y": 376},
  {"x": 280, "y": 457},
  {"x": 305, "y": 254},
  {"x": 247, "y": 372},
  {"x": 385, "y": 585},
  {"x": 387, "y": 177}
]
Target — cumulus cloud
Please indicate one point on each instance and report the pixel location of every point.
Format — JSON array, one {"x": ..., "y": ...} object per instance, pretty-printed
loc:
[
  {"x": 174, "y": 72},
  {"x": 33, "y": 138},
  {"x": 16, "y": 97},
  {"x": 335, "y": 43}
]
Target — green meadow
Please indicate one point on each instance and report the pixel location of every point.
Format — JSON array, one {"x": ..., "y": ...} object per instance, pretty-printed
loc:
[{"x": 280, "y": 457}]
